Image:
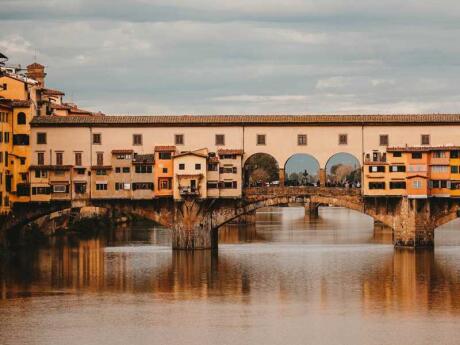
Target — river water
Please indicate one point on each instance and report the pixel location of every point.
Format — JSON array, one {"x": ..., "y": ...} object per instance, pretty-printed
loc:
[{"x": 286, "y": 280}]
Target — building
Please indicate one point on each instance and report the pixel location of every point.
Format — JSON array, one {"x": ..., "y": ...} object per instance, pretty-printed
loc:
[
  {"x": 164, "y": 170},
  {"x": 415, "y": 171},
  {"x": 190, "y": 178}
]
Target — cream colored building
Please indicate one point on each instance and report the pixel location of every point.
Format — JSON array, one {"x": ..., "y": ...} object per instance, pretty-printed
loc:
[{"x": 190, "y": 179}]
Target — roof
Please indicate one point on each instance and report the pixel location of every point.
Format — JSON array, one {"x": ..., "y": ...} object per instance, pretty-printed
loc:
[
  {"x": 230, "y": 152},
  {"x": 246, "y": 120},
  {"x": 188, "y": 153},
  {"x": 53, "y": 92},
  {"x": 422, "y": 148},
  {"x": 50, "y": 167},
  {"x": 165, "y": 148},
  {"x": 20, "y": 104},
  {"x": 144, "y": 159},
  {"x": 122, "y": 151},
  {"x": 189, "y": 175}
]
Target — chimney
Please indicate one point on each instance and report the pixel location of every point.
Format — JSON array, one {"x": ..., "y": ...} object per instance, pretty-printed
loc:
[{"x": 37, "y": 72}]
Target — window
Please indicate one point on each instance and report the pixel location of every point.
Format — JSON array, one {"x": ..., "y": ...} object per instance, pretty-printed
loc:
[
  {"x": 78, "y": 159},
  {"x": 179, "y": 139},
  {"x": 117, "y": 170},
  {"x": 100, "y": 158},
  {"x": 343, "y": 139},
  {"x": 417, "y": 168},
  {"x": 439, "y": 154},
  {"x": 165, "y": 183},
  {"x": 80, "y": 171},
  {"x": 22, "y": 160},
  {"x": 212, "y": 167},
  {"x": 416, "y": 184},
  {"x": 439, "y": 184},
  {"x": 21, "y": 139},
  {"x": 6, "y": 136},
  {"x": 416, "y": 155},
  {"x": 97, "y": 138},
  {"x": 454, "y": 169},
  {"x": 377, "y": 168},
  {"x": 376, "y": 185},
  {"x": 165, "y": 155},
  {"x": 80, "y": 188},
  {"x": 425, "y": 139},
  {"x": 101, "y": 172},
  {"x": 122, "y": 186},
  {"x": 197, "y": 166},
  {"x": 220, "y": 139},
  {"x": 212, "y": 185},
  {"x": 397, "y": 154},
  {"x": 101, "y": 186},
  {"x": 302, "y": 139},
  {"x": 454, "y": 154},
  {"x": 60, "y": 188},
  {"x": 143, "y": 169},
  {"x": 181, "y": 166},
  {"x": 59, "y": 158},
  {"x": 41, "y": 138},
  {"x": 440, "y": 168},
  {"x": 261, "y": 139},
  {"x": 41, "y": 190},
  {"x": 397, "y": 185},
  {"x": 23, "y": 176},
  {"x": 5, "y": 86},
  {"x": 123, "y": 156},
  {"x": 384, "y": 140},
  {"x": 398, "y": 168},
  {"x": 165, "y": 170},
  {"x": 126, "y": 170},
  {"x": 21, "y": 119},
  {"x": 41, "y": 173},
  {"x": 137, "y": 139},
  {"x": 143, "y": 185}
]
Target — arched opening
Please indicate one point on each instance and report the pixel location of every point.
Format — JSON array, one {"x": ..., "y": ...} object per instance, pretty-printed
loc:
[
  {"x": 261, "y": 169},
  {"x": 343, "y": 170},
  {"x": 21, "y": 119},
  {"x": 301, "y": 170}
]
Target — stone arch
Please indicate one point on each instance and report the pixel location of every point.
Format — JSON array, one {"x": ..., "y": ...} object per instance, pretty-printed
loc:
[
  {"x": 310, "y": 164},
  {"x": 253, "y": 163},
  {"x": 352, "y": 170}
]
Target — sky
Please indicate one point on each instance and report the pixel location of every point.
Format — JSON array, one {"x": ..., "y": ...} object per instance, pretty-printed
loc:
[{"x": 242, "y": 56}]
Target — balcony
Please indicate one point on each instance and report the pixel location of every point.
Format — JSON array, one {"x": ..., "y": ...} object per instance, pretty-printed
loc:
[{"x": 189, "y": 191}]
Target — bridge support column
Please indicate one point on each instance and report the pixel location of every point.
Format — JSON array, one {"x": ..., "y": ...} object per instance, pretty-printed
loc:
[
  {"x": 281, "y": 176},
  {"x": 322, "y": 177},
  {"x": 192, "y": 228},
  {"x": 249, "y": 218},
  {"x": 412, "y": 224},
  {"x": 311, "y": 210}
]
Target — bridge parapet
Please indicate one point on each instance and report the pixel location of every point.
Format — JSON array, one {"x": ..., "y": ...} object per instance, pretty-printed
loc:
[{"x": 255, "y": 193}]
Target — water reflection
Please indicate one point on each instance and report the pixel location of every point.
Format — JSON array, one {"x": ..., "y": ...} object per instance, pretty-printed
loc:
[{"x": 339, "y": 263}]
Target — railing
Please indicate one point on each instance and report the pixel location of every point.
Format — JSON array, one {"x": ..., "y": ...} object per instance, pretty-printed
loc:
[
  {"x": 300, "y": 190},
  {"x": 185, "y": 191}
]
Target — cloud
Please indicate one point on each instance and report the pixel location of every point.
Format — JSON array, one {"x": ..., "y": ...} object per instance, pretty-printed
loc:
[{"x": 260, "y": 56}]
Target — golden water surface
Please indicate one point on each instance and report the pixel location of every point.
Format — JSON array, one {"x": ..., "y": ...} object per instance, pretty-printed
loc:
[{"x": 285, "y": 280}]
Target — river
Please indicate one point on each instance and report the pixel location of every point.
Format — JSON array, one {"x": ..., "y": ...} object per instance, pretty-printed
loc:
[{"x": 286, "y": 280}]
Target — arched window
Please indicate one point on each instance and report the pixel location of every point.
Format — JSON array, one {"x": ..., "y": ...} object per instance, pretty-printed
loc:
[{"x": 21, "y": 118}]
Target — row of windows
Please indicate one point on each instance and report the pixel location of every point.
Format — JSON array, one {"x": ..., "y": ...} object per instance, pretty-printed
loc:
[
  {"x": 222, "y": 185},
  {"x": 182, "y": 166},
  {"x": 381, "y": 168},
  {"x": 4, "y": 117},
  {"x": 261, "y": 139},
  {"x": 393, "y": 185}
]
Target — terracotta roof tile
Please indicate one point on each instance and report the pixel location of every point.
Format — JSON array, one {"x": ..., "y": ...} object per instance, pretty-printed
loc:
[
  {"x": 165, "y": 148},
  {"x": 238, "y": 120},
  {"x": 53, "y": 92},
  {"x": 422, "y": 148},
  {"x": 230, "y": 152}
]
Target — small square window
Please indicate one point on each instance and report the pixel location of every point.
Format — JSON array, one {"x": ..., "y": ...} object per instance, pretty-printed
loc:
[
  {"x": 383, "y": 140},
  {"x": 97, "y": 138},
  {"x": 197, "y": 166},
  {"x": 302, "y": 139},
  {"x": 425, "y": 139},
  {"x": 165, "y": 170},
  {"x": 179, "y": 139},
  {"x": 137, "y": 139},
  {"x": 41, "y": 138},
  {"x": 220, "y": 139},
  {"x": 126, "y": 170},
  {"x": 261, "y": 140},
  {"x": 181, "y": 166},
  {"x": 343, "y": 139}
]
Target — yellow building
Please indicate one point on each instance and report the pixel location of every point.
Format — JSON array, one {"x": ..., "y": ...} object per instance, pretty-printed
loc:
[
  {"x": 454, "y": 162},
  {"x": 6, "y": 114}
]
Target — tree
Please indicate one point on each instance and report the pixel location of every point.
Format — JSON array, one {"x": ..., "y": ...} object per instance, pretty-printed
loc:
[
  {"x": 261, "y": 161},
  {"x": 259, "y": 175}
]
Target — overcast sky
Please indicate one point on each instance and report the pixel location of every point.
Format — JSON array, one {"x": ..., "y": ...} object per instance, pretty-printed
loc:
[{"x": 242, "y": 56}]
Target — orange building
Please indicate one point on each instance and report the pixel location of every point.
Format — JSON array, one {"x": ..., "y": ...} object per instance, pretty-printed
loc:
[{"x": 164, "y": 170}]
